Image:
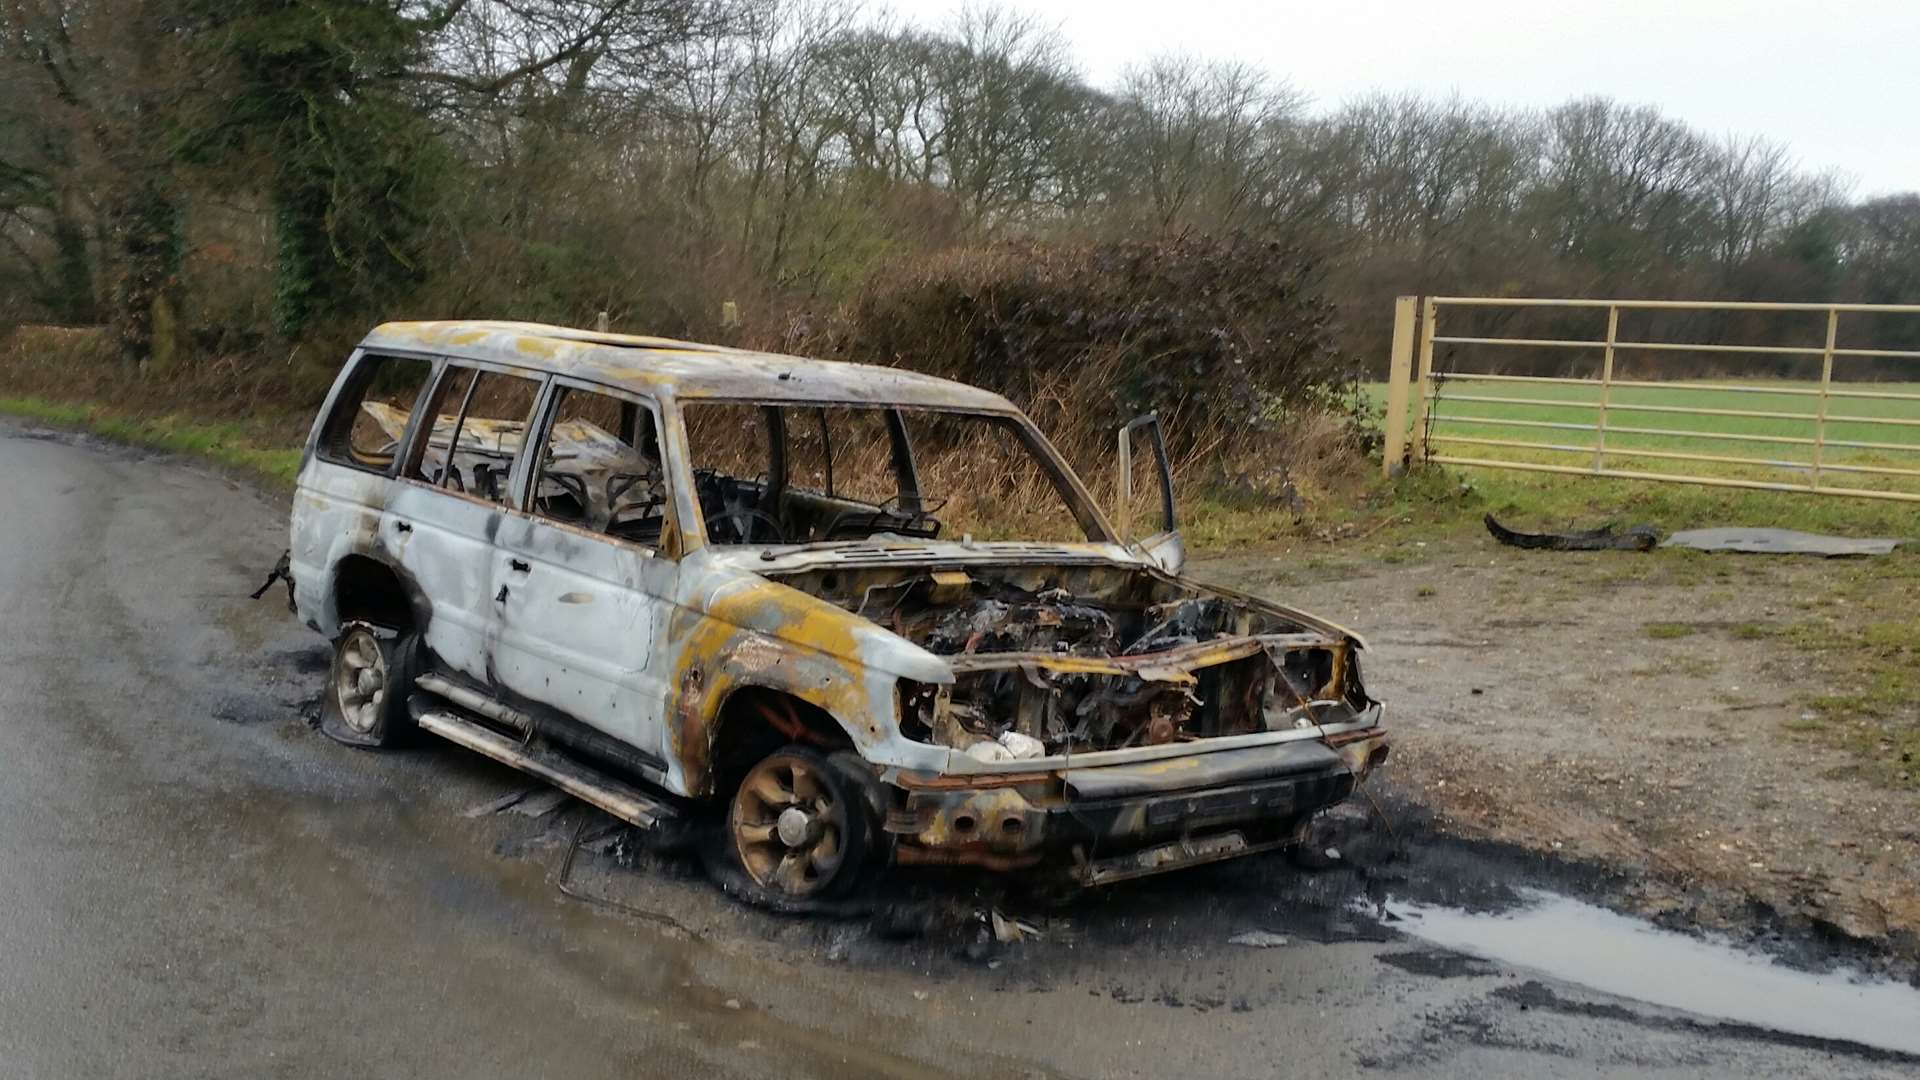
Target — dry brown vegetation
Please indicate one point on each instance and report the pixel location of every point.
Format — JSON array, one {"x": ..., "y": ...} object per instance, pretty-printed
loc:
[
  {"x": 79, "y": 367},
  {"x": 237, "y": 190},
  {"x": 1224, "y": 337},
  {"x": 1227, "y": 339}
]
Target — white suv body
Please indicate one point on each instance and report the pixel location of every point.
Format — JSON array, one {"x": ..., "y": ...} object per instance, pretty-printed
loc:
[{"x": 530, "y": 554}]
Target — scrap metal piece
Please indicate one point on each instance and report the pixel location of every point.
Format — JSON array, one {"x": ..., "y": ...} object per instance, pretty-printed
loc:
[
  {"x": 1780, "y": 542},
  {"x": 497, "y": 804},
  {"x": 282, "y": 571},
  {"x": 949, "y": 586},
  {"x": 1009, "y": 930},
  {"x": 609, "y": 793},
  {"x": 1192, "y": 851},
  {"x": 1604, "y": 538}
]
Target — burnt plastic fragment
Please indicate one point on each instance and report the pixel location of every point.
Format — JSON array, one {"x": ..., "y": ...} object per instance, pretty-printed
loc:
[
  {"x": 1604, "y": 538},
  {"x": 282, "y": 571}
]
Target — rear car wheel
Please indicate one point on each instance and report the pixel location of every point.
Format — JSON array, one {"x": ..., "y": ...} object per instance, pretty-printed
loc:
[
  {"x": 367, "y": 687},
  {"x": 797, "y": 827}
]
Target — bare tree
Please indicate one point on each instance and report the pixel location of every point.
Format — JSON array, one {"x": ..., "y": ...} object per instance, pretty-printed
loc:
[{"x": 1208, "y": 142}]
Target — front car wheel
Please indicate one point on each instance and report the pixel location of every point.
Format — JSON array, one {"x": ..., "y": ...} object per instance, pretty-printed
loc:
[{"x": 796, "y": 827}]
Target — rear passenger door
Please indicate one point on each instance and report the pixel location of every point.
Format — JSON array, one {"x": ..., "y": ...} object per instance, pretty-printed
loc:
[
  {"x": 586, "y": 572},
  {"x": 456, "y": 489}
]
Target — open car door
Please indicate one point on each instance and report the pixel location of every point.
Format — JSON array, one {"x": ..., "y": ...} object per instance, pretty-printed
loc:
[{"x": 1142, "y": 476}]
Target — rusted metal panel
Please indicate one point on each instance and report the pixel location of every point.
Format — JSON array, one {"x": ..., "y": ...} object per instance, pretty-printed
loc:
[
  {"x": 996, "y": 674},
  {"x": 669, "y": 368}
]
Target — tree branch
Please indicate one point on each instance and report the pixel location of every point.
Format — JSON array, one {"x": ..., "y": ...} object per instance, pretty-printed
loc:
[{"x": 488, "y": 87}]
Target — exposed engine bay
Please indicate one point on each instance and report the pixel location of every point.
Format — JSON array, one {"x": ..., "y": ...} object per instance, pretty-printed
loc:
[{"x": 1071, "y": 659}]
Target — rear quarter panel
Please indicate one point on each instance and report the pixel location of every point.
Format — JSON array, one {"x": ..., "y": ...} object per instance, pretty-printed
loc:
[{"x": 336, "y": 513}]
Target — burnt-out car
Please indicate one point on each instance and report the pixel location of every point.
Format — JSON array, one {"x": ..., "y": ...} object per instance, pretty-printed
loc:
[{"x": 858, "y": 615}]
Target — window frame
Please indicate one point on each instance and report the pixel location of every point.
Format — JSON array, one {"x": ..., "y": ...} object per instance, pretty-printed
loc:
[
  {"x": 900, "y": 454},
  {"x": 1079, "y": 502},
  {"x": 359, "y": 370},
  {"x": 547, "y": 412},
  {"x": 419, "y": 433}
]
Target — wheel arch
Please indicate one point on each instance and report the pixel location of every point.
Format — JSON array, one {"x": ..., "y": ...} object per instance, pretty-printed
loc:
[
  {"x": 368, "y": 589},
  {"x": 754, "y": 719}
]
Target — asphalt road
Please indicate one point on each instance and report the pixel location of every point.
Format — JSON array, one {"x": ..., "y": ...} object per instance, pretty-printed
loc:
[{"x": 194, "y": 883}]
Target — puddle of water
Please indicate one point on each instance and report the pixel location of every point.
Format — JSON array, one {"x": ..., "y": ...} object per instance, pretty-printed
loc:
[{"x": 1596, "y": 948}]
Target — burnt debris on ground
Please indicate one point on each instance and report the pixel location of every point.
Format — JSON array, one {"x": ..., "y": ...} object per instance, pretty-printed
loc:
[
  {"x": 940, "y": 920},
  {"x": 1604, "y": 538},
  {"x": 932, "y": 917}
]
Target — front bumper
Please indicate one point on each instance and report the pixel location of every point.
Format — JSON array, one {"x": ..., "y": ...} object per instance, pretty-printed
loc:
[{"x": 1117, "y": 821}]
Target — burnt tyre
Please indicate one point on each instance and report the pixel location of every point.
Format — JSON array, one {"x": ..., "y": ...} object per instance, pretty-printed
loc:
[
  {"x": 1323, "y": 840},
  {"x": 797, "y": 828},
  {"x": 367, "y": 687}
]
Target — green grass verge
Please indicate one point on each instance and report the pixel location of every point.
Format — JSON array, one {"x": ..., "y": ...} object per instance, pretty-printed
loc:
[
  {"x": 1868, "y": 636},
  {"x": 227, "y": 445},
  {"x": 1552, "y": 497},
  {"x": 1546, "y": 499}
]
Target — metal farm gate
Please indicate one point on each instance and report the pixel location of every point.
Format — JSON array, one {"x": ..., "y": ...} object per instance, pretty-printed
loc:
[{"x": 1819, "y": 398}]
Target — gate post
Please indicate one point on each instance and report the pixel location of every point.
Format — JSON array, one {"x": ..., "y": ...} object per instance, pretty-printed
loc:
[
  {"x": 1429, "y": 320},
  {"x": 1826, "y": 390},
  {"x": 1399, "y": 375}
]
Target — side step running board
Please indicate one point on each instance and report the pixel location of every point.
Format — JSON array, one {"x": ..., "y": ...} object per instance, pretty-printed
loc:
[
  {"x": 616, "y": 797},
  {"x": 480, "y": 703}
]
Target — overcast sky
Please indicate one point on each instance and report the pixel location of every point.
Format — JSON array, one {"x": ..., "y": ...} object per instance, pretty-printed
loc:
[{"x": 1838, "y": 81}]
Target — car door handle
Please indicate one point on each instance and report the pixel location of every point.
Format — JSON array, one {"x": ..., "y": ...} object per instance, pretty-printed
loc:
[
  {"x": 518, "y": 567},
  {"x": 401, "y": 526}
]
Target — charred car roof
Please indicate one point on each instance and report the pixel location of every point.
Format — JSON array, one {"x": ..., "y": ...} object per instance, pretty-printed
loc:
[{"x": 666, "y": 368}]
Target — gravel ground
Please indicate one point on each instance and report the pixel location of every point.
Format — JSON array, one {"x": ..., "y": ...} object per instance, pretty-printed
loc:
[{"x": 1635, "y": 711}]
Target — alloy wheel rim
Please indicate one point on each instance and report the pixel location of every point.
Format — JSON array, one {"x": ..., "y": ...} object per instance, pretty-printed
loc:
[
  {"x": 360, "y": 681},
  {"x": 787, "y": 826}
]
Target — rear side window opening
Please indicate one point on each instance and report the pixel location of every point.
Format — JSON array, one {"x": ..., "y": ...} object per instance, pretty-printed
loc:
[
  {"x": 478, "y": 423},
  {"x": 369, "y": 420}
]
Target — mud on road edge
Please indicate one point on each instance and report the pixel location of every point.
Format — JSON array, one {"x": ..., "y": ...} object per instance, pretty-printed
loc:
[
  {"x": 947, "y": 921},
  {"x": 1428, "y": 842},
  {"x": 1671, "y": 898}
]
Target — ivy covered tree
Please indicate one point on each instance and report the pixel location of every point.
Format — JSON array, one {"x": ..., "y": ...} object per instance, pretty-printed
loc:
[
  {"x": 317, "y": 92},
  {"x": 88, "y": 92},
  {"x": 353, "y": 106}
]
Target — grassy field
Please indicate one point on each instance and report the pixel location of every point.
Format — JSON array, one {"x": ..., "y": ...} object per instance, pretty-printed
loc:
[
  {"x": 1545, "y": 498},
  {"x": 1634, "y": 411}
]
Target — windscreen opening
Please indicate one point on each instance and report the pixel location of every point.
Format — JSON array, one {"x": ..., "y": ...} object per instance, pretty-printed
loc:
[{"x": 799, "y": 474}]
